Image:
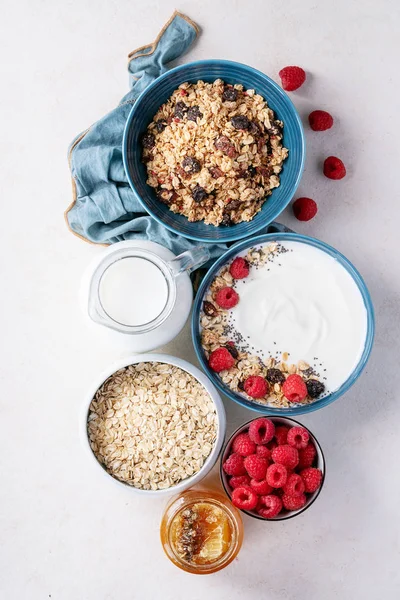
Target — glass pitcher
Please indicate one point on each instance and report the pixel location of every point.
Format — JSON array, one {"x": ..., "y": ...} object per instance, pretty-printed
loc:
[{"x": 129, "y": 290}]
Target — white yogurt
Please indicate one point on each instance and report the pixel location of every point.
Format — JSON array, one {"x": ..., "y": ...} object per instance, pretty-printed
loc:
[
  {"x": 305, "y": 303},
  {"x": 133, "y": 291}
]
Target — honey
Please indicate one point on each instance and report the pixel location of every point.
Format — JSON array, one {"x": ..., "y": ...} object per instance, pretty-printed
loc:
[{"x": 201, "y": 531}]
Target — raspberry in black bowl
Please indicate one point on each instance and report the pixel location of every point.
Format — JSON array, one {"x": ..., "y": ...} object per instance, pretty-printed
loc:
[{"x": 272, "y": 468}]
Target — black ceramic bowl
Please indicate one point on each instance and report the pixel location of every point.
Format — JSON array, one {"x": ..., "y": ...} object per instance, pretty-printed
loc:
[{"x": 319, "y": 463}]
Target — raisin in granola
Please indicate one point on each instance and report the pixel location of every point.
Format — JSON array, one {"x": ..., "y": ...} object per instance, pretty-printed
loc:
[
  {"x": 180, "y": 110},
  {"x": 224, "y": 144},
  {"x": 209, "y": 309},
  {"x": 194, "y": 113},
  {"x": 191, "y": 165},
  {"x": 199, "y": 193},
  {"x": 240, "y": 122},
  {"x": 230, "y": 94},
  {"x": 275, "y": 376},
  {"x": 148, "y": 141}
]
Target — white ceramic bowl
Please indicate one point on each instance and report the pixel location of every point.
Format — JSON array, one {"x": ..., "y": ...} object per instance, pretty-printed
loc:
[
  {"x": 185, "y": 366},
  {"x": 319, "y": 463}
]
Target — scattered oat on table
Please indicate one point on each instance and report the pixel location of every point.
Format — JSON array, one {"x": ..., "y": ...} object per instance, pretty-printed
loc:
[
  {"x": 151, "y": 425},
  {"x": 213, "y": 152}
]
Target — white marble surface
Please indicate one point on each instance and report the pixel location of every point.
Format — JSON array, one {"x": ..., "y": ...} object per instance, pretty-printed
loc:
[{"x": 65, "y": 533}]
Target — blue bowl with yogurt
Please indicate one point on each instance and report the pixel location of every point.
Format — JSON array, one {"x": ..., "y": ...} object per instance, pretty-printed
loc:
[
  {"x": 159, "y": 92},
  {"x": 307, "y": 298}
]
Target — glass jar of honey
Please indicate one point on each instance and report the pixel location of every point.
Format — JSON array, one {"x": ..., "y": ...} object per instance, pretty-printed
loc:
[{"x": 201, "y": 531}]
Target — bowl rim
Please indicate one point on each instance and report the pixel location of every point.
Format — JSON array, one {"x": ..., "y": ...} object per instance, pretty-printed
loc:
[
  {"x": 207, "y": 62},
  {"x": 185, "y": 366},
  {"x": 322, "y": 467},
  {"x": 303, "y": 408}
]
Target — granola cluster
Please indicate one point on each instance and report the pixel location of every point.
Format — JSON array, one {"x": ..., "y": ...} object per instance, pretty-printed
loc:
[{"x": 214, "y": 152}]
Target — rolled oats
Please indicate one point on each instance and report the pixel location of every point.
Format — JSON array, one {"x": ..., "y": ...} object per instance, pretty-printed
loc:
[{"x": 151, "y": 425}]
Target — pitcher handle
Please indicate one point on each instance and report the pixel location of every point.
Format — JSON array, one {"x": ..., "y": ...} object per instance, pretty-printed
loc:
[{"x": 189, "y": 261}]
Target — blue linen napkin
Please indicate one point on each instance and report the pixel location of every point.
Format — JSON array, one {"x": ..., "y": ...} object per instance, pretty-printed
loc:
[{"x": 104, "y": 209}]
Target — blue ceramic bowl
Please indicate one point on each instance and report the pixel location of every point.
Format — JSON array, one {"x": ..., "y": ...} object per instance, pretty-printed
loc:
[
  {"x": 298, "y": 408},
  {"x": 158, "y": 92}
]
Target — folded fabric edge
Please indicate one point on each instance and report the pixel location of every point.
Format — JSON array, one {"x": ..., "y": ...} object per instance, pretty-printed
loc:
[
  {"x": 74, "y": 193},
  {"x": 153, "y": 46},
  {"x": 140, "y": 51}
]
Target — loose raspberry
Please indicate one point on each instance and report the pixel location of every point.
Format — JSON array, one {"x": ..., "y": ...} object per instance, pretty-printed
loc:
[
  {"x": 256, "y": 386},
  {"x": 281, "y": 434},
  {"x": 334, "y": 168},
  {"x": 220, "y": 360},
  {"x": 234, "y": 465},
  {"x": 239, "y": 269},
  {"x": 307, "y": 456},
  {"x": 261, "y": 431},
  {"x": 312, "y": 479},
  {"x": 264, "y": 452},
  {"x": 298, "y": 437},
  {"x": 227, "y": 297},
  {"x": 320, "y": 120},
  {"x": 243, "y": 445},
  {"x": 294, "y": 388},
  {"x": 256, "y": 466},
  {"x": 304, "y": 209},
  {"x": 276, "y": 475},
  {"x": 294, "y": 485},
  {"x": 292, "y": 78},
  {"x": 239, "y": 481},
  {"x": 269, "y": 506},
  {"x": 262, "y": 488},
  {"x": 293, "y": 502},
  {"x": 244, "y": 498},
  {"x": 286, "y": 455}
]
